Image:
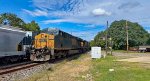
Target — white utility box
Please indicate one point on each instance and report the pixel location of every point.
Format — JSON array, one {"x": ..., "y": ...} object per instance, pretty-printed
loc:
[{"x": 96, "y": 52}]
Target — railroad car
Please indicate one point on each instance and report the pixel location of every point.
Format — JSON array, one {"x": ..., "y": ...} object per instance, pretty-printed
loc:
[
  {"x": 145, "y": 48},
  {"x": 13, "y": 43},
  {"x": 53, "y": 43}
]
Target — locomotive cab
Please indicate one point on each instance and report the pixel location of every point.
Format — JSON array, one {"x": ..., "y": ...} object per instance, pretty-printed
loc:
[{"x": 43, "y": 43}]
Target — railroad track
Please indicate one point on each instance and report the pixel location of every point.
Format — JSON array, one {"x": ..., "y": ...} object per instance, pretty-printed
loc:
[
  {"x": 14, "y": 65},
  {"x": 17, "y": 67},
  {"x": 25, "y": 65}
]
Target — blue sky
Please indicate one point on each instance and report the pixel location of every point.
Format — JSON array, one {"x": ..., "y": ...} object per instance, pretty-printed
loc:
[{"x": 82, "y": 18}]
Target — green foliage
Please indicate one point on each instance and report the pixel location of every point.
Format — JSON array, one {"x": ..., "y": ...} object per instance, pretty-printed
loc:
[
  {"x": 15, "y": 21},
  {"x": 148, "y": 42},
  {"x": 100, "y": 39},
  {"x": 92, "y": 43},
  {"x": 33, "y": 26},
  {"x": 117, "y": 31},
  {"x": 12, "y": 19}
]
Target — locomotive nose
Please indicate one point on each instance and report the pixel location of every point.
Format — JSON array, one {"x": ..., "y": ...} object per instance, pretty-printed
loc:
[
  {"x": 44, "y": 40},
  {"x": 43, "y": 44}
]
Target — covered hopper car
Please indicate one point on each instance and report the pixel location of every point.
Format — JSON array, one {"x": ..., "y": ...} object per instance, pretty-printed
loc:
[
  {"x": 52, "y": 43},
  {"x": 13, "y": 43}
]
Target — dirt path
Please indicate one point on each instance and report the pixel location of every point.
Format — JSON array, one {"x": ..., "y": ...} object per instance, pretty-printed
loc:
[
  {"x": 137, "y": 59},
  {"x": 120, "y": 54},
  {"x": 133, "y": 57}
]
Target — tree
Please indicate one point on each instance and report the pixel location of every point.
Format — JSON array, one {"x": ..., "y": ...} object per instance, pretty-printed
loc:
[
  {"x": 15, "y": 21},
  {"x": 1, "y": 20},
  {"x": 12, "y": 20},
  {"x": 92, "y": 43},
  {"x": 99, "y": 40},
  {"x": 148, "y": 41},
  {"x": 33, "y": 26},
  {"x": 117, "y": 31}
]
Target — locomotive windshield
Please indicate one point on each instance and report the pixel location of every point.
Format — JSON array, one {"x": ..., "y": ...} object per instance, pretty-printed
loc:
[{"x": 52, "y": 31}]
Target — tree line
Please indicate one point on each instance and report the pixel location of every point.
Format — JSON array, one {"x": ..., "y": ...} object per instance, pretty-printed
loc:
[
  {"x": 15, "y": 21},
  {"x": 117, "y": 32}
]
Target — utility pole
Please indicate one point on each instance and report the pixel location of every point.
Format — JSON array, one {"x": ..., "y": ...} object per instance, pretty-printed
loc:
[
  {"x": 127, "y": 36},
  {"x": 106, "y": 37}
]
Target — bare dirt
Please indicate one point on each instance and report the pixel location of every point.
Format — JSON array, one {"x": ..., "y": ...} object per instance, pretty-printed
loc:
[
  {"x": 137, "y": 59},
  {"x": 76, "y": 69},
  {"x": 133, "y": 57}
]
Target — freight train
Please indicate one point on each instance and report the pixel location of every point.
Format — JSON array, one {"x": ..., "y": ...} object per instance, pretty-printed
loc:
[
  {"x": 50, "y": 43},
  {"x": 13, "y": 43},
  {"x": 53, "y": 43}
]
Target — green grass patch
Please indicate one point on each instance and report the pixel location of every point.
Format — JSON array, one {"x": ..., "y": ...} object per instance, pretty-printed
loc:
[{"x": 123, "y": 71}]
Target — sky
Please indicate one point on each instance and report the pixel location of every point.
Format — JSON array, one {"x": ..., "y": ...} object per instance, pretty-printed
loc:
[{"x": 81, "y": 18}]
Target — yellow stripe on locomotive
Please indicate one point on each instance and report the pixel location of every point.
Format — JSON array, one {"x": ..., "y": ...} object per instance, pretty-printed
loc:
[{"x": 43, "y": 40}]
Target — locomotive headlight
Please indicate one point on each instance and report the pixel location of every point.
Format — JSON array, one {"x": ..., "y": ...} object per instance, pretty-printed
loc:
[
  {"x": 32, "y": 46},
  {"x": 32, "y": 51}
]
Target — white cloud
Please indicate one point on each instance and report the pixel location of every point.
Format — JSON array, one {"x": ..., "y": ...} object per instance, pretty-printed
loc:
[
  {"x": 36, "y": 12},
  {"x": 83, "y": 11},
  {"x": 87, "y": 35},
  {"x": 100, "y": 12},
  {"x": 90, "y": 26},
  {"x": 56, "y": 21},
  {"x": 78, "y": 11},
  {"x": 58, "y": 5},
  {"x": 129, "y": 5},
  {"x": 91, "y": 12}
]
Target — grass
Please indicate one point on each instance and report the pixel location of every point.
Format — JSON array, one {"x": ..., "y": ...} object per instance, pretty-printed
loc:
[
  {"x": 70, "y": 69},
  {"x": 123, "y": 71},
  {"x": 83, "y": 68}
]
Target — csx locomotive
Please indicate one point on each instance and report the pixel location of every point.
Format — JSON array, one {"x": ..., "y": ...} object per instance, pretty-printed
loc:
[{"x": 53, "y": 43}]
